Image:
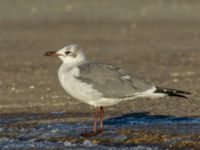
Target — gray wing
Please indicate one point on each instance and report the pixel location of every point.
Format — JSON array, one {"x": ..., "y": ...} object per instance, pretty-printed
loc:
[{"x": 111, "y": 81}]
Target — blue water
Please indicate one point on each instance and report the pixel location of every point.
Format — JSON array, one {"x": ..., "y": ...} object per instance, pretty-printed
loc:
[
  {"x": 36, "y": 136},
  {"x": 145, "y": 118}
]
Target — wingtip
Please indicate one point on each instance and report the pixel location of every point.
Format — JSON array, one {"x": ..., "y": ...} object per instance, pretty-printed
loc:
[{"x": 189, "y": 93}]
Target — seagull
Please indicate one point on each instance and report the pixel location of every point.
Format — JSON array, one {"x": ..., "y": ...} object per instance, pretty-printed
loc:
[{"x": 100, "y": 84}]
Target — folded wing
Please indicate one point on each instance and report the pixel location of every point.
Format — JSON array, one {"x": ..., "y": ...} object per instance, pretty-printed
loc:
[{"x": 111, "y": 81}]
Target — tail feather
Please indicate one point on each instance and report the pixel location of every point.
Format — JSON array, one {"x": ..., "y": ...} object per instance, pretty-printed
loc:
[{"x": 172, "y": 92}]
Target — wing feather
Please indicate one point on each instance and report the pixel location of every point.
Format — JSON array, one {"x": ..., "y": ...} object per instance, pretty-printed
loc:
[{"x": 111, "y": 81}]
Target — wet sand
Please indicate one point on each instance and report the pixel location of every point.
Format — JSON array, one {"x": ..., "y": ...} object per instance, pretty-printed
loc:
[{"x": 133, "y": 131}]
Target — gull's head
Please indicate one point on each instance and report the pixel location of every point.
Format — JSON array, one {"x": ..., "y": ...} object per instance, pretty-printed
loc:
[{"x": 71, "y": 54}]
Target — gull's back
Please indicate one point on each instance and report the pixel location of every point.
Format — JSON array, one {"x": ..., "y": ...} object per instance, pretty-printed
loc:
[{"x": 112, "y": 82}]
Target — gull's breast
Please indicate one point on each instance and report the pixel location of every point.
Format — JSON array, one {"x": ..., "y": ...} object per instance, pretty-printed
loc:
[{"x": 76, "y": 88}]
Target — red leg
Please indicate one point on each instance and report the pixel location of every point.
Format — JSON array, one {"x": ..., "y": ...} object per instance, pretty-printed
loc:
[
  {"x": 101, "y": 120},
  {"x": 95, "y": 120},
  {"x": 94, "y": 131}
]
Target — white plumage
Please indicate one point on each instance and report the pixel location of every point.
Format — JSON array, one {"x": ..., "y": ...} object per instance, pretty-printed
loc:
[{"x": 84, "y": 90}]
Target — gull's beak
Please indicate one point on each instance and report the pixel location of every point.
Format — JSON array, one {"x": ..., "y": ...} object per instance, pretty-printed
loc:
[{"x": 51, "y": 53}]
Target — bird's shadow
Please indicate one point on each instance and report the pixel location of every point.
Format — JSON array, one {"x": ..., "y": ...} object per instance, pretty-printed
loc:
[{"x": 145, "y": 118}]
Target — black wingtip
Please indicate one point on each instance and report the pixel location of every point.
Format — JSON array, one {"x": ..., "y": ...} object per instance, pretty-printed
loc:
[
  {"x": 172, "y": 92},
  {"x": 178, "y": 95}
]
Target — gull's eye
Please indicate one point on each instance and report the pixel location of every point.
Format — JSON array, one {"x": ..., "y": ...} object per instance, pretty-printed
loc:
[{"x": 67, "y": 52}]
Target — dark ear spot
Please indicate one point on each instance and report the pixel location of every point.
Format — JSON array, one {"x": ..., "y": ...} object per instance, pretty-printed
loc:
[{"x": 73, "y": 55}]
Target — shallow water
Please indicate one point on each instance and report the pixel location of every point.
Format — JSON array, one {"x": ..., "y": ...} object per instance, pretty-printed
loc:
[{"x": 14, "y": 134}]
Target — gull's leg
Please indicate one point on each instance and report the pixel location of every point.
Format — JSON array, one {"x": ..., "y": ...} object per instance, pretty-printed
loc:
[
  {"x": 95, "y": 120},
  {"x": 94, "y": 131},
  {"x": 101, "y": 118}
]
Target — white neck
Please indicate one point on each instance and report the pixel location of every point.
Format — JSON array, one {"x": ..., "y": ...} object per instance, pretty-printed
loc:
[{"x": 72, "y": 65}]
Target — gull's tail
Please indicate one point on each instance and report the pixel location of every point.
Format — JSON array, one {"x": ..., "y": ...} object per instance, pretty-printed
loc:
[{"x": 172, "y": 92}]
